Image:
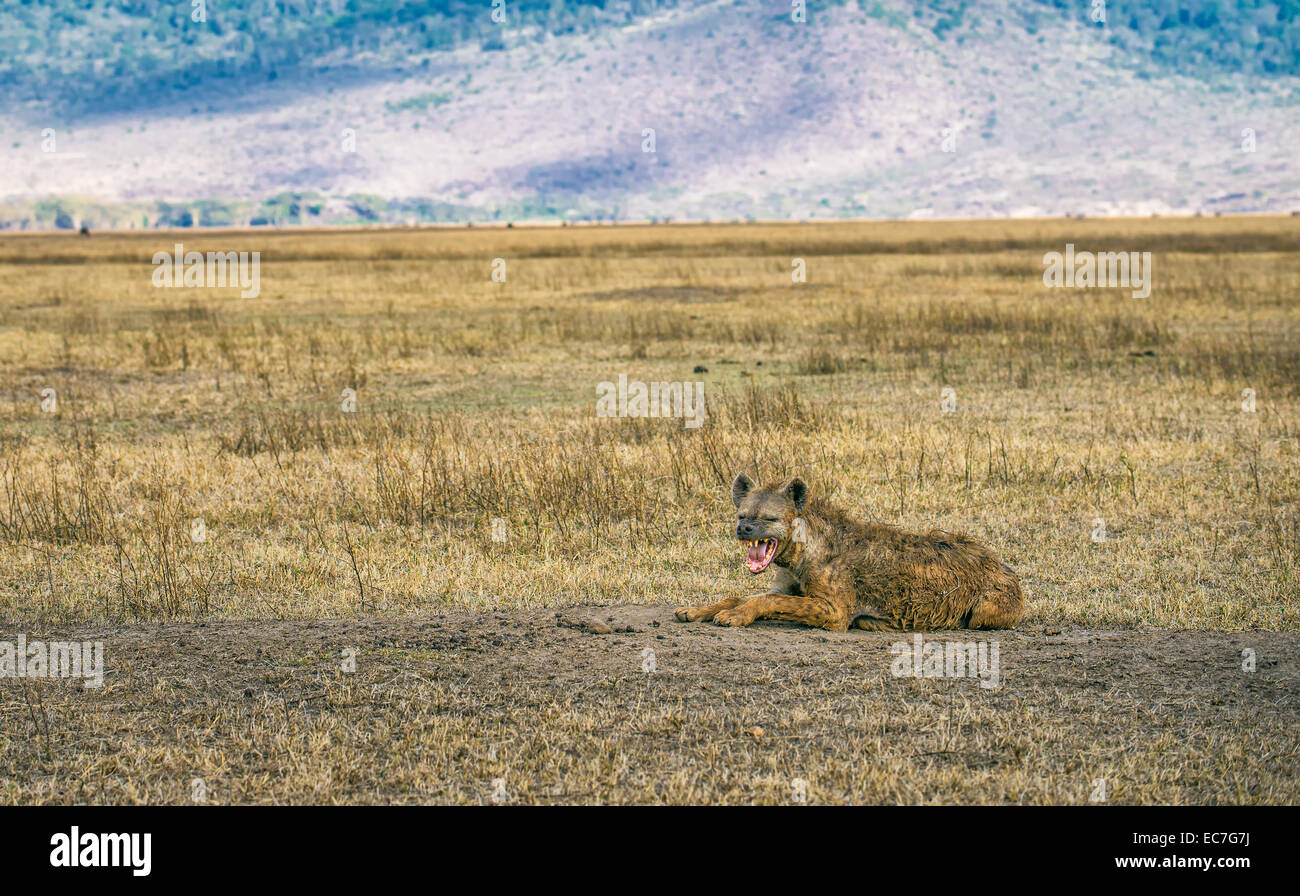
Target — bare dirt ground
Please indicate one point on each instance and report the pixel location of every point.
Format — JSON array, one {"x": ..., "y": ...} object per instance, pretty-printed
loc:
[{"x": 563, "y": 706}]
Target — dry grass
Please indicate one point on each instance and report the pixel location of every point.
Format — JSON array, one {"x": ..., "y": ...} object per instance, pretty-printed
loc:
[{"x": 476, "y": 401}]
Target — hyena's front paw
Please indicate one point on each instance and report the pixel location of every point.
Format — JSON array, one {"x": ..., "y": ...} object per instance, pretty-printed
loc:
[
  {"x": 738, "y": 617},
  {"x": 691, "y": 614}
]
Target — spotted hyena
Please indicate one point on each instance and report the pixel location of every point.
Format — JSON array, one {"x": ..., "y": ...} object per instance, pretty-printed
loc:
[{"x": 836, "y": 572}]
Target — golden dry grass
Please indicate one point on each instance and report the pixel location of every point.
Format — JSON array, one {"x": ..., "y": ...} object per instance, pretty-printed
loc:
[{"x": 476, "y": 400}]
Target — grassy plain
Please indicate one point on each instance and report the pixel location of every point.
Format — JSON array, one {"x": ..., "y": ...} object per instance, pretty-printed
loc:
[
  {"x": 1098, "y": 441},
  {"x": 476, "y": 401}
]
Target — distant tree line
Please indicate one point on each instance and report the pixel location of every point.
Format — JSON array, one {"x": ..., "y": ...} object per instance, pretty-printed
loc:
[{"x": 287, "y": 209}]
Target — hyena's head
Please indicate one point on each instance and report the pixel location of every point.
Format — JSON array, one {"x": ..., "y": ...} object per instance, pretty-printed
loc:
[{"x": 768, "y": 519}]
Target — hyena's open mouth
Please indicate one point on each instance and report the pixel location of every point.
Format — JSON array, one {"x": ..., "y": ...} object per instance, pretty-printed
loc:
[{"x": 758, "y": 554}]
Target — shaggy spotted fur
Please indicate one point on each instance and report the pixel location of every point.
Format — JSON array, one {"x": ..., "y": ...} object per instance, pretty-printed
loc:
[{"x": 836, "y": 572}]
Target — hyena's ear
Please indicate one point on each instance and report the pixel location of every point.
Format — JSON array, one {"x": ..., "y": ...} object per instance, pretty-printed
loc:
[
  {"x": 742, "y": 486},
  {"x": 797, "y": 492}
]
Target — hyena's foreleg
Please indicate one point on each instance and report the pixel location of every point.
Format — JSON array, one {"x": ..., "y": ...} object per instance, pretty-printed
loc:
[
  {"x": 815, "y": 611},
  {"x": 704, "y": 614}
]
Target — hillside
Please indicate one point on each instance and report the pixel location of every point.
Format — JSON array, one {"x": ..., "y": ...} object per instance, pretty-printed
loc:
[{"x": 320, "y": 112}]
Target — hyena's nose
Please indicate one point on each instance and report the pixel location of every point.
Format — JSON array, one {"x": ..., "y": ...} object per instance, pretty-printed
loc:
[{"x": 744, "y": 530}]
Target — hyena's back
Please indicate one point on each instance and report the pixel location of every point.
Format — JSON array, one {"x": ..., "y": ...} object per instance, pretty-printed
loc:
[{"x": 933, "y": 581}]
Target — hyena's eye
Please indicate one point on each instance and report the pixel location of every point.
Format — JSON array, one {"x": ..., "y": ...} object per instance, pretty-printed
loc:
[{"x": 770, "y": 519}]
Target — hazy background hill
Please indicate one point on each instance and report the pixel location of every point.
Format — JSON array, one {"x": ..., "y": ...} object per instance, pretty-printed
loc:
[{"x": 162, "y": 112}]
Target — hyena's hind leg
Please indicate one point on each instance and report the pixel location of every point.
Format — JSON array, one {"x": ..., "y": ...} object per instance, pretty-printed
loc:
[
  {"x": 705, "y": 614},
  {"x": 1001, "y": 606},
  {"x": 875, "y": 624}
]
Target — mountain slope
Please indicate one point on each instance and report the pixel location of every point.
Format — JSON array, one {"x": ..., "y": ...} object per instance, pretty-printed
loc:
[{"x": 878, "y": 112}]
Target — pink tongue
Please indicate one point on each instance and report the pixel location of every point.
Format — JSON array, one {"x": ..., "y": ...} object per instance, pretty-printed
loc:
[{"x": 755, "y": 553}]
